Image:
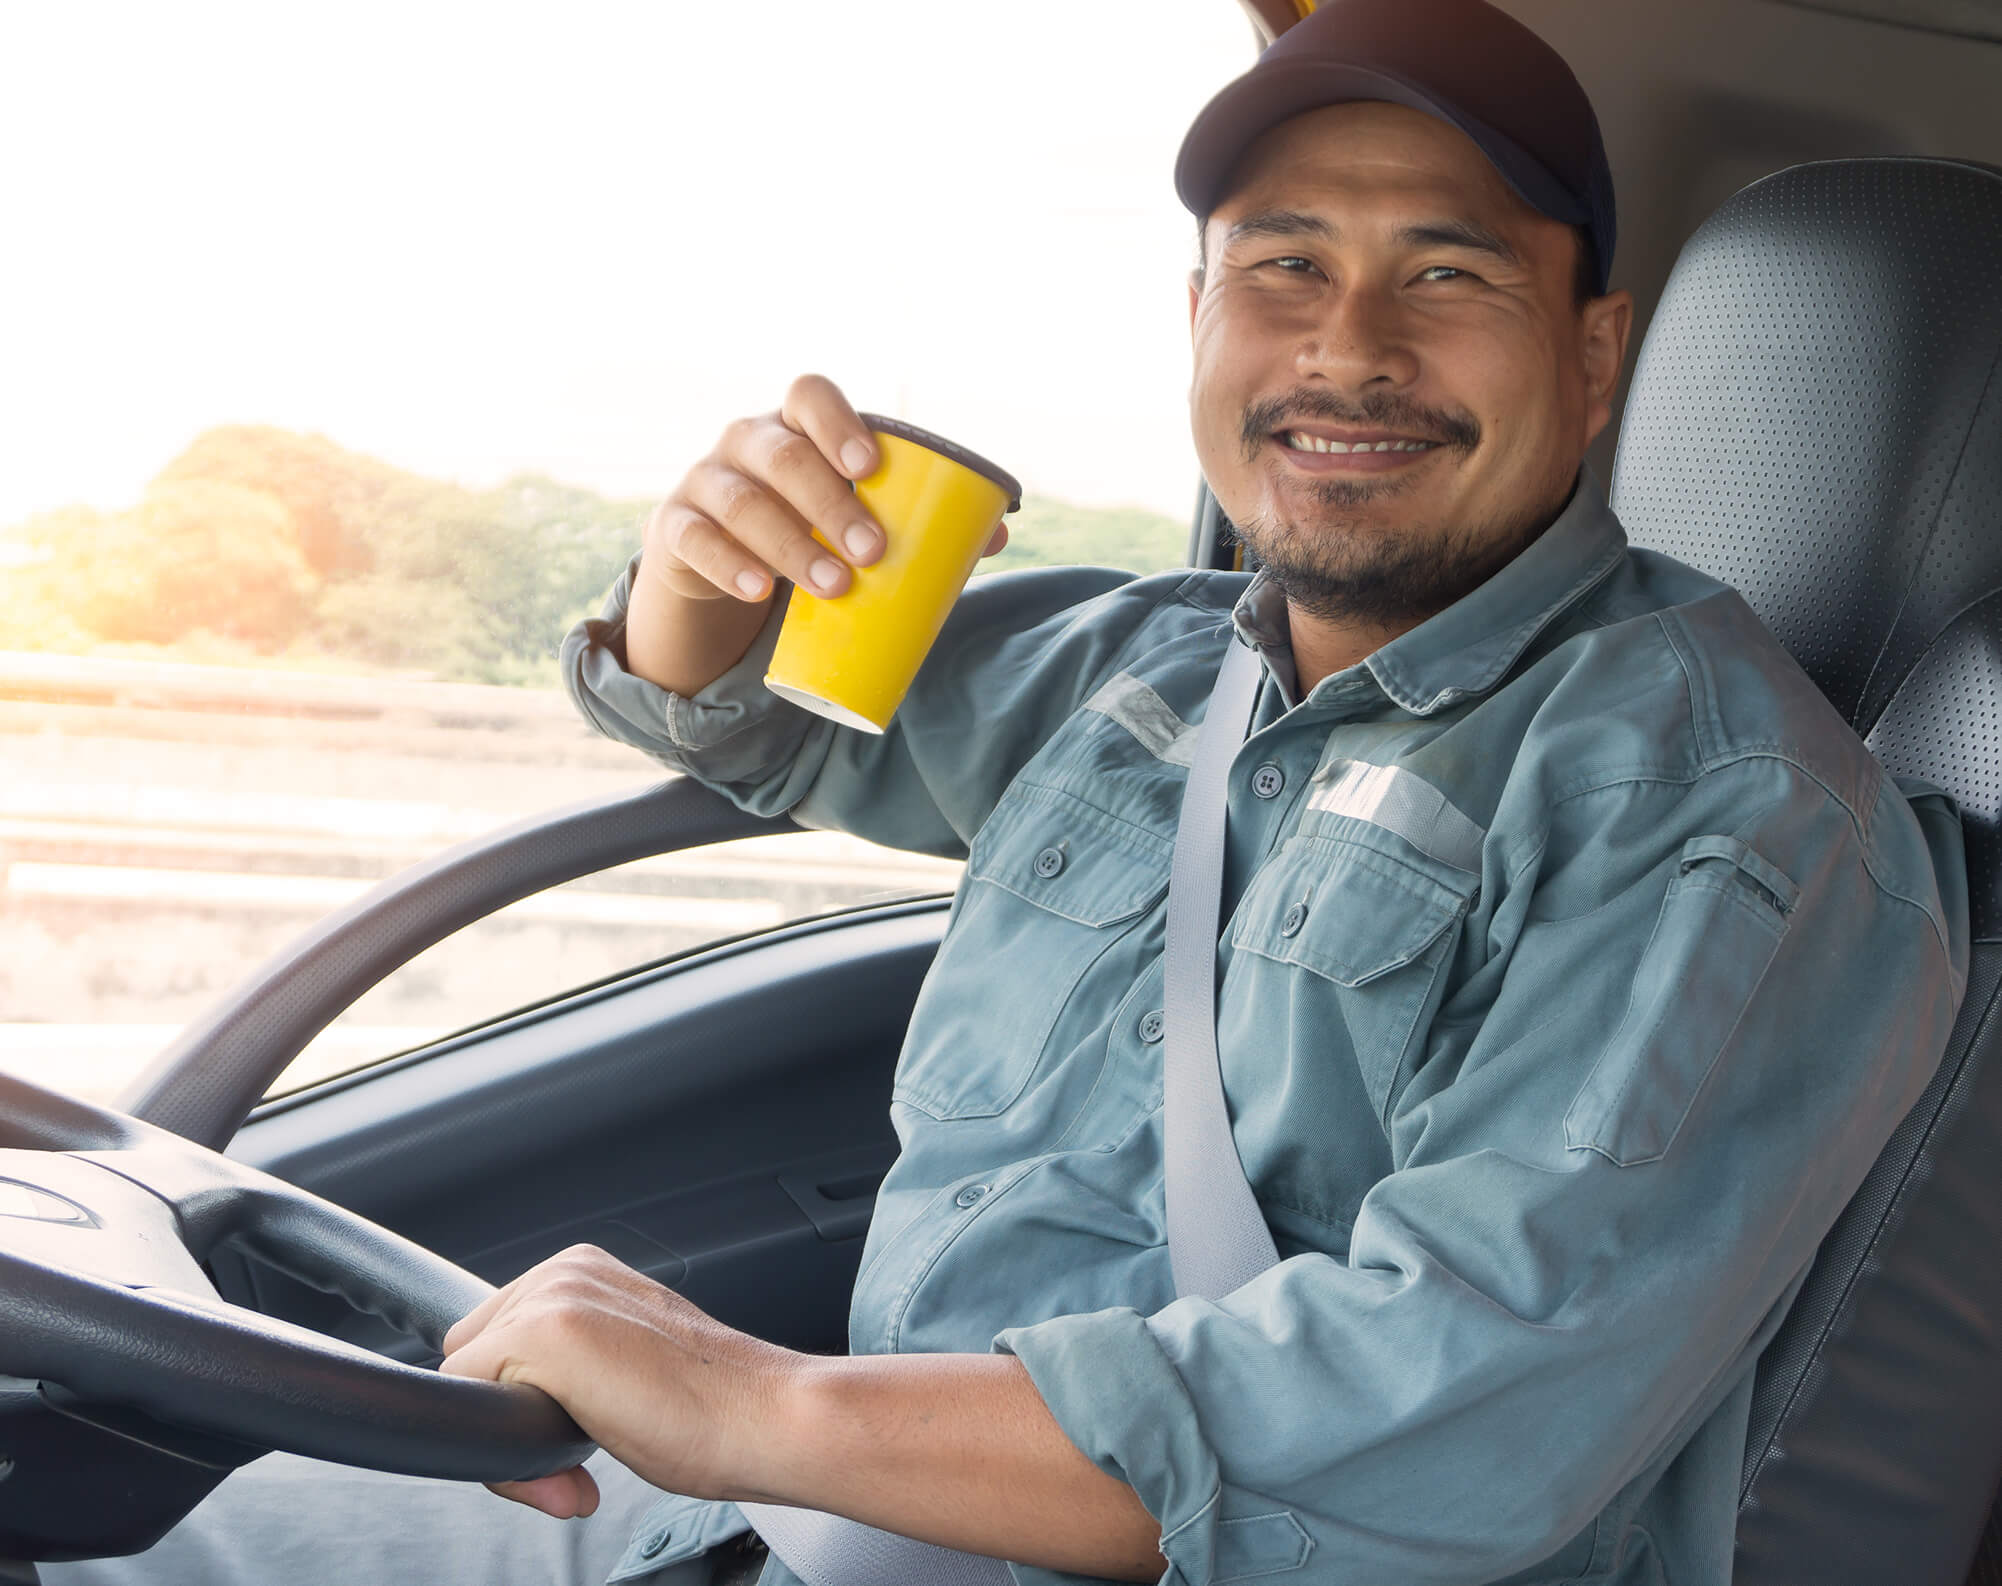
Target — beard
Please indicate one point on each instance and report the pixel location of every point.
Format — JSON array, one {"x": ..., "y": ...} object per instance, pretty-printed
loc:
[{"x": 1346, "y": 565}]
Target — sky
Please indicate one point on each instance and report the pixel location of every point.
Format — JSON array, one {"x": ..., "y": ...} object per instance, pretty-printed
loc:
[{"x": 475, "y": 239}]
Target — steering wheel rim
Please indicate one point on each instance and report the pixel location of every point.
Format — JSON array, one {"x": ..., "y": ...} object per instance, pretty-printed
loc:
[
  {"x": 104, "y": 1225},
  {"x": 152, "y": 1336},
  {"x": 204, "y": 1084}
]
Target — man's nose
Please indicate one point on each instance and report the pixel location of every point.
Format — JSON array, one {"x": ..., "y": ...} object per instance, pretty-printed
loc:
[{"x": 1360, "y": 339}]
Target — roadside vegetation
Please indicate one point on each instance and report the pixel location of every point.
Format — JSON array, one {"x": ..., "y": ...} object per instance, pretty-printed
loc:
[{"x": 259, "y": 546}]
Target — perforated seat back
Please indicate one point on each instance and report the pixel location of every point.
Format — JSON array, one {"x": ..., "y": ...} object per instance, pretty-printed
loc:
[{"x": 1816, "y": 418}]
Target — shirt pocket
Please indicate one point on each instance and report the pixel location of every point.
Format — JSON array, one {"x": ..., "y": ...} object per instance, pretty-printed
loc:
[
  {"x": 1052, "y": 884},
  {"x": 1372, "y": 930},
  {"x": 1720, "y": 926}
]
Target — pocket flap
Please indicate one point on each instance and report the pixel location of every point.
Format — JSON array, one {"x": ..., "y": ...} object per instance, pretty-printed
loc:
[
  {"x": 1344, "y": 910},
  {"x": 1056, "y": 851},
  {"x": 674, "y": 1530},
  {"x": 1720, "y": 926},
  {"x": 1777, "y": 885}
]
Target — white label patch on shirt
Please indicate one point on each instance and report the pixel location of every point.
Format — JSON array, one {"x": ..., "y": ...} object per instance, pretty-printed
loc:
[
  {"x": 1145, "y": 714},
  {"x": 1401, "y": 802}
]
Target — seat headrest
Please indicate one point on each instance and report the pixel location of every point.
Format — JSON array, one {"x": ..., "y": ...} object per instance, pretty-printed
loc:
[{"x": 1816, "y": 419}]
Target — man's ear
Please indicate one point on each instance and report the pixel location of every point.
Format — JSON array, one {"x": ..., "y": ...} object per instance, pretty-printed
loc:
[
  {"x": 1608, "y": 321},
  {"x": 1199, "y": 274}
]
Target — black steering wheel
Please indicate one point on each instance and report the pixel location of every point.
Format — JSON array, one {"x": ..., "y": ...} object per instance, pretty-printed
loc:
[
  {"x": 105, "y": 1223},
  {"x": 130, "y": 1387}
]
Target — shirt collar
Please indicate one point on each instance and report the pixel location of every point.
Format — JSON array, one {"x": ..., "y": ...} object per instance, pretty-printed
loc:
[{"x": 1469, "y": 647}]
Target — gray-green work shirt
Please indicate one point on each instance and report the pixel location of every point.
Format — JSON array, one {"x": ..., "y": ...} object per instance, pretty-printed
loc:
[{"x": 1576, "y": 961}]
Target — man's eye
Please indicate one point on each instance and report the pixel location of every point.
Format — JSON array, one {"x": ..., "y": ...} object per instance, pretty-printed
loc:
[
  {"x": 1440, "y": 272},
  {"x": 1292, "y": 263}
]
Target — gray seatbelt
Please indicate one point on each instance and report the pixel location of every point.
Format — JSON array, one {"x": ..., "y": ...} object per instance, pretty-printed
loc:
[{"x": 1217, "y": 1239}]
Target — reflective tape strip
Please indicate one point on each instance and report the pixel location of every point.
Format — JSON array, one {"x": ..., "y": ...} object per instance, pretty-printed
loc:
[
  {"x": 1146, "y": 715},
  {"x": 1401, "y": 802}
]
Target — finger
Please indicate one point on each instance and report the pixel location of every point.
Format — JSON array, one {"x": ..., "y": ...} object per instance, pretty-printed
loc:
[
  {"x": 548, "y": 1276},
  {"x": 794, "y": 468},
  {"x": 478, "y": 1319},
  {"x": 568, "y": 1495},
  {"x": 693, "y": 548},
  {"x": 492, "y": 1344},
  {"x": 815, "y": 407},
  {"x": 999, "y": 542},
  {"x": 480, "y": 1355},
  {"x": 765, "y": 526},
  {"x": 661, "y": 559}
]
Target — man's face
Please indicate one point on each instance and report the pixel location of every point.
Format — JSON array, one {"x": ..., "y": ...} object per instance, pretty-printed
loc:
[{"x": 1371, "y": 279}]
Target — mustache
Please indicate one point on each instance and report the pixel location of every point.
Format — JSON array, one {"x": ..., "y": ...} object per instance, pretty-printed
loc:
[{"x": 1378, "y": 410}]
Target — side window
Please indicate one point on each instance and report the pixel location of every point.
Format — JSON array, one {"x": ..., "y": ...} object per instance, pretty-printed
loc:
[
  {"x": 346, "y": 394},
  {"x": 607, "y": 924},
  {"x": 166, "y": 828}
]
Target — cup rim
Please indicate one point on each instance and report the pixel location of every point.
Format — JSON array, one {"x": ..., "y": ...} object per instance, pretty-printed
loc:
[{"x": 952, "y": 449}]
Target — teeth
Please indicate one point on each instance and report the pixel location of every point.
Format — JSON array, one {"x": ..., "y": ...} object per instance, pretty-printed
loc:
[{"x": 1314, "y": 443}]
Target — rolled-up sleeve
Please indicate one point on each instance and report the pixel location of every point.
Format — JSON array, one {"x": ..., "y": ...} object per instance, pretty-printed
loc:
[
  {"x": 1606, "y": 1190},
  {"x": 735, "y": 728},
  {"x": 1018, "y": 654}
]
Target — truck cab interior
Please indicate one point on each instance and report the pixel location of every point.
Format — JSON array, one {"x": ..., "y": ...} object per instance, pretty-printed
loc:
[{"x": 1811, "y": 223}]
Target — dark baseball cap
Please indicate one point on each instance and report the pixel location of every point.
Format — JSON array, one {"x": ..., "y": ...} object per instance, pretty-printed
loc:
[{"x": 1466, "y": 62}]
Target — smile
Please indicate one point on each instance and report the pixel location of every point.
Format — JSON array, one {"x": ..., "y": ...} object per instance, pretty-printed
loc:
[
  {"x": 1300, "y": 441},
  {"x": 1352, "y": 456}
]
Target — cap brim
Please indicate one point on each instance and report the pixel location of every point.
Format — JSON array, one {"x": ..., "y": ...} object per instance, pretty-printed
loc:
[{"x": 1269, "y": 94}]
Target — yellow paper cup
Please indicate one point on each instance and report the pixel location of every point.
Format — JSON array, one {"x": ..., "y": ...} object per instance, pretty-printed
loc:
[{"x": 851, "y": 658}]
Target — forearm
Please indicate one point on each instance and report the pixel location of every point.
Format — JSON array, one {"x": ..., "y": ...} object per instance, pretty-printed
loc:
[
  {"x": 954, "y": 1449},
  {"x": 683, "y": 644}
]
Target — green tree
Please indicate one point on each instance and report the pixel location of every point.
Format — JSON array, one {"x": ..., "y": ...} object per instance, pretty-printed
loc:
[
  {"x": 259, "y": 537},
  {"x": 504, "y": 569},
  {"x": 1052, "y": 533},
  {"x": 330, "y": 493},
  {"x": 194, "y": 555},
  {"x": 33, "y": 615},
  {"x": 406, "y": 627}
]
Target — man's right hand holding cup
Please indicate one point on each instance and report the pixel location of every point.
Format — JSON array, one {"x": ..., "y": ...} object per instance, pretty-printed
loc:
[{"x": 716, "y": 548}]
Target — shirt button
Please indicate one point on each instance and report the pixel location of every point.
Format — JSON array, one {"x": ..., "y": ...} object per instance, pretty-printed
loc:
[
  {"x": 1295, "y": 918},
  {"x": 1049, "y": 862},
  {"x": 1152, "y": 1026},
  {"x": 972, "y": 1195},
  {"x": 656, "y": 1544},
  {"x": 1268, "y": 781}
]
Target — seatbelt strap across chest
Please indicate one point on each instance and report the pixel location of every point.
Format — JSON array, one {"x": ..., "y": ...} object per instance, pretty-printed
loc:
[{"x": 1217, "y": 1238}]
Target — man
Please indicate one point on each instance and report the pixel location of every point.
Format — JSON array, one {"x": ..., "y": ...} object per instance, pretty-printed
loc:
[
  {"x": 1548, "y": 868},
  {"x": 1552, "y": 887}
]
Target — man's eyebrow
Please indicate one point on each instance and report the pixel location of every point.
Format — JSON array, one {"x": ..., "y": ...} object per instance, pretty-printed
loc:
[
  {"x": 1279, "y": 223},
  {"x": 1453, "y": 233},
  {"x": 1459, "y": 234}
]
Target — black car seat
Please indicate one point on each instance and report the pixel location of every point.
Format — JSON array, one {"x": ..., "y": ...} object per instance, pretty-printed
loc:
[{"x": 1816, "y": 418}]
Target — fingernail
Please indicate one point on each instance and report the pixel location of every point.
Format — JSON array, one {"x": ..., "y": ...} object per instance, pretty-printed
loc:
[
  {"x": 860, "y": 540},
  {"x": 751, "y": 584},
  {"x": 825, "y": 574},
  {"x": 855, "y": 457}
]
